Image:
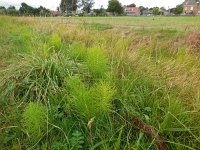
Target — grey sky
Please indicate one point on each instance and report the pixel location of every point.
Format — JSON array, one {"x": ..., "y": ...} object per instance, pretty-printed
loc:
[{"x": 52, "y": 4}]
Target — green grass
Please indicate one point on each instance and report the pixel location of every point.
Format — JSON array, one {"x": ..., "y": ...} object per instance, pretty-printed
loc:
[
  {"x": 98, "y": 27},
  {"x": 99, "y": 83},
  {"x": 180, "y": 23}
]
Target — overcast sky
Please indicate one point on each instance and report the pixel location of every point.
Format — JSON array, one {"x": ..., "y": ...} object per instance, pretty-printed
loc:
[{"x": 52, "y": 4}]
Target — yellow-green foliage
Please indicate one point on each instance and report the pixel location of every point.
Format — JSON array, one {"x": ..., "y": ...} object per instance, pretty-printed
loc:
[
  {"x": 76, "y": 86},
  {"x": 103, "y": 94},
  {"x": 90, "y": 102},
  {"x": 78, "y": 51},
  {"x": 35, "y": 120},
  {"x": 80, "y": 97},
  {"x": 96, "y": 62},
  {"x": 176, "y": 117},
  {"x": 56, "y": 42}
]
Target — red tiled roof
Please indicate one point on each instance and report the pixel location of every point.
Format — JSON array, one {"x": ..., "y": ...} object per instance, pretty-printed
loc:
[{"x": 132, "y": 9}]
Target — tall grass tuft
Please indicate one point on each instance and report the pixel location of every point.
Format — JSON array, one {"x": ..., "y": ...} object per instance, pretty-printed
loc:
[
  {"x": 35, "y": 76},
  {"x": 175, "y": 112}
]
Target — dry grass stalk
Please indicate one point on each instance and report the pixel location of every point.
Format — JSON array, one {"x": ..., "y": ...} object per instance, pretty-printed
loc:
[{"x": 150, "y": 131}]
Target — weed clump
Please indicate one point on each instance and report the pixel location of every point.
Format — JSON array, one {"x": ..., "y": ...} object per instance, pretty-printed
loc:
[
  {"x": 35, "y": 120},
  {"x": 34, "y": 77},
  {"x": 194, "y": 41},
  {"x": 103, "y": 96},
  {"x": 77, "y": 140},
  {"x": 78, "y": 51},
  {"x": 95, "y": 101},
  {"x": 96, "y": 62},
  {"x": 56, "y": 42}
]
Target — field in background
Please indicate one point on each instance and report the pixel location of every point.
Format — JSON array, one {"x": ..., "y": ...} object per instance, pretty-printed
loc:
[
  {"x": 100, "y": 83},
  {"x": 179, "y": 23}
]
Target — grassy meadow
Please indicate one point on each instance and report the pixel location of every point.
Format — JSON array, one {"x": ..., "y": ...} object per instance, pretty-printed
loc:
[{"x": 100, "y": 83}]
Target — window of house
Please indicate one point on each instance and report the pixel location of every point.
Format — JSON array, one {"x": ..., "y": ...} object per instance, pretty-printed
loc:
[{"x": 191, "y": 8}]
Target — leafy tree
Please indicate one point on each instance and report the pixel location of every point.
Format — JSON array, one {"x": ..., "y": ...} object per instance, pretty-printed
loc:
[
  {"x": 142, "y": 9},
  {"x": 2, "y": 10},
  {"x": 2, "y": 7},
  {"x": 42, "y": 11},
  {"x": 172, "y": 10},
  {"x": 178, "y": 10},
  {"x": 131, "y": 5},
  {"x": 115, "y": 6},
  {"x": 63, "y": 6},
  {"x": 100, "y": 12},
  {"x": 163, "y": 8},
  {"x": 151, "y": 9},
  {"x": 12, "y": 11},
  {"x": 87, "y": 5},
  {"x": 156, "y": 11},
  {"x": 11, "y": 7},
  {"x": 68, "y": 5},
  {"x": 26, "y": 9},
  {"x": 58, "y": 8}
]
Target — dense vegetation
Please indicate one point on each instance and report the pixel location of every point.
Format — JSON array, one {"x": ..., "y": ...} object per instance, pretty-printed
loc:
[
  {"x": 69, "y": 84},
  {"x": 24, "y": 10}
]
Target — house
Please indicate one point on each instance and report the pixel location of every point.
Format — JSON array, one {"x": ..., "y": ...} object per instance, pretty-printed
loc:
[
  {"x": 191, "y": 7},
  {"x": 131, "y": 11},
  {"x": 55, "y": 13}
]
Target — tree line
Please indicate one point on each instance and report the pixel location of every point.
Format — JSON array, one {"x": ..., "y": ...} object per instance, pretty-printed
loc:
[
  {"x": 68, "y": 6},
  {"x": 25, "y": 10},
  {"x": 71, "y": 6},
  {"x": 114, "y": 6}
]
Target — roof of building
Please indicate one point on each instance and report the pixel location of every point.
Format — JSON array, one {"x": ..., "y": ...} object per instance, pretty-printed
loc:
[
  {"x": 56, "y": 13},
  {"x": 132, "y": 9},
  {"x": 191, "y": 2}
]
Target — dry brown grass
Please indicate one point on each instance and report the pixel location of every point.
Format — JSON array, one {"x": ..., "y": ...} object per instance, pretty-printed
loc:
[{"x": 193, "y": 40}]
